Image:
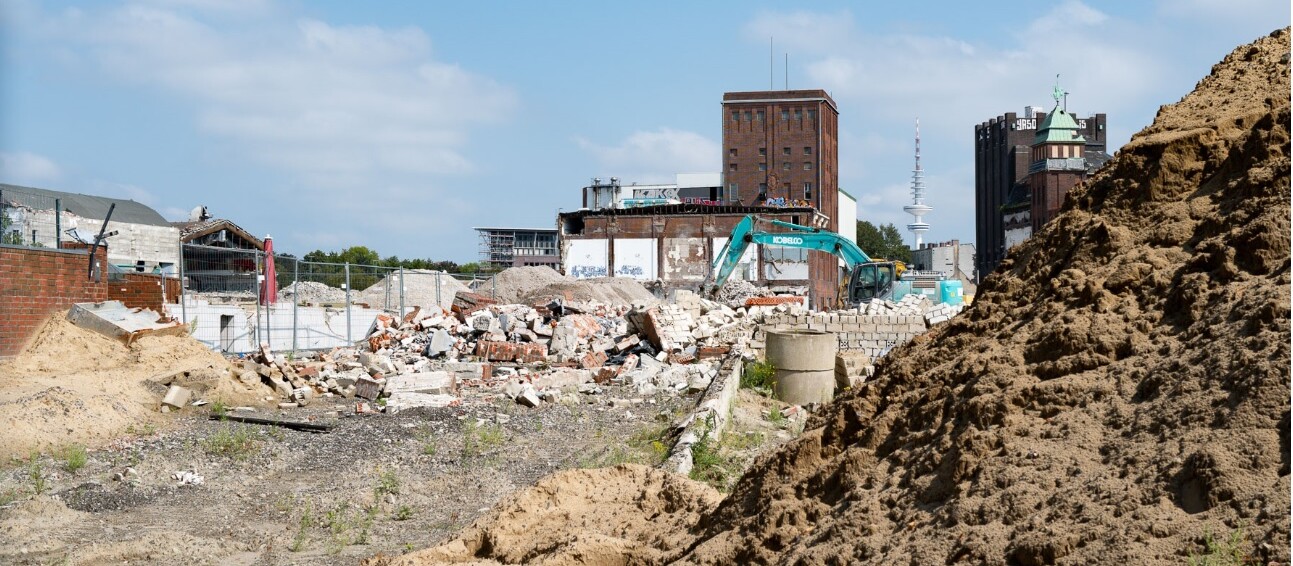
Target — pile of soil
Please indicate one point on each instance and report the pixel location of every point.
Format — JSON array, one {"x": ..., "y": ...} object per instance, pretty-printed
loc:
[
  {"x": 582, "y": 517},
  {"x": 72, "y": 385},
  {"x": 608, "y": 290},
  {"x": 1118, "y": 391},
  {"x": 513, "y": 283}
]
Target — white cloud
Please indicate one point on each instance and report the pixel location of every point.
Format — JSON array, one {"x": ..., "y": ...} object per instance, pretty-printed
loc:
[
  {"x": 336, "y": 106},
  {"x": 883, "y": 80},
  {"x": 26, "y": 168},
  {"x": 655, "y": 156}
]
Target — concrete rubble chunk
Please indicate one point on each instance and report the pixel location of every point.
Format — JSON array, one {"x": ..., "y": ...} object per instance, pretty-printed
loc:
[
  {"x": 369, "y": 388},
  {"x": 404, "y": 400},
  {"x": 377, "y": 363},
  {"x": 432, "y": 382},
  {"x": 563, "y": 377},
  {"x": 119, "y": 322},
  {"x": 177, "y": 397},
  {"x": 528, "y": 396}
]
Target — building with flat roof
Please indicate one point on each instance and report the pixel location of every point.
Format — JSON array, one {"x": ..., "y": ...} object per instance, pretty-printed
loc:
[{"x": 516, "y": 247}]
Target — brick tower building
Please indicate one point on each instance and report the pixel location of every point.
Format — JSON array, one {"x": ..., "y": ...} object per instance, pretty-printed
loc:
[{"x": 781, "y": 146}]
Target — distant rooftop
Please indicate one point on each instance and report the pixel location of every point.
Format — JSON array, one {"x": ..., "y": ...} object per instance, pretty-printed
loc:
[{"x": 85, "y": 206}]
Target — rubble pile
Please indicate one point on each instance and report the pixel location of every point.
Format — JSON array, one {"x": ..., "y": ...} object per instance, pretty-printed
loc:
[
  {"x": 739, "y": 290},
  {"x": 311, "y": 292}
]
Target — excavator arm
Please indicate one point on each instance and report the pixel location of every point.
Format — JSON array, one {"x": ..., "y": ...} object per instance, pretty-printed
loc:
[{"x": 796, "y": 236}]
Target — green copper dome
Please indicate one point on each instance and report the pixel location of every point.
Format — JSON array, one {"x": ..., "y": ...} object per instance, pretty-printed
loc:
[{"x": 1058, "y": 127}]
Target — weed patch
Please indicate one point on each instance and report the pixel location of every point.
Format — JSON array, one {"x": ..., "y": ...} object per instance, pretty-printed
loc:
[
  {"x": 759, "y": 376},
  {"x": 1228, "y": 551},
  {"x": 234, "y": 442},
  {"x": 480, "y": 437},
  {"x": 74, "y": 458}
]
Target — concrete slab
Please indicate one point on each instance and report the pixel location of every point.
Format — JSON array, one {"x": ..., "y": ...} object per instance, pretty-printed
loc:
[
  {"x": 115, "y": 320},
  {"x": 431, "y": 382}
]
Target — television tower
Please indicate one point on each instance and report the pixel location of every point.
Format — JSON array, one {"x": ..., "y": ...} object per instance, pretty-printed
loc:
[{"x": 918, "y": 209}]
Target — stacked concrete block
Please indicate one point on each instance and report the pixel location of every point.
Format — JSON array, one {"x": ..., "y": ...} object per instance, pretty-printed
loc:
[
  {"x": 942, "y": 313},
  {"x": 852, "y": 369}
]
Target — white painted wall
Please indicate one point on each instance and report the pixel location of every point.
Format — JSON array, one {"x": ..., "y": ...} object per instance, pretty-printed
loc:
[
  {"x": 1018, "y": 235},
  {"x": 848, "y": 220},
  {"x": 586, "y": 258},
  {"x": 748, "y": 268},
  {"x": 317, "y": 328},
  {"x": 635, "y": 258},
  {"x": 155, "y": 245}
]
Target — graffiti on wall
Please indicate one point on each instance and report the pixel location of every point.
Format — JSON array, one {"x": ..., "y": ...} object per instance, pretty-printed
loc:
[{"x": 587, "y": 271}]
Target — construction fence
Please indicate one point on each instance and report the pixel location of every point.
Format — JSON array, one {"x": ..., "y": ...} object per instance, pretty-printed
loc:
[
  {"x": 230, "y": 302},
  {"x": 30, "y": 220}
]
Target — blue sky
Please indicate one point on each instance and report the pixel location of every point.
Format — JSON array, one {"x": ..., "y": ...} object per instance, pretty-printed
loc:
[{"x": 401, "y": 125}]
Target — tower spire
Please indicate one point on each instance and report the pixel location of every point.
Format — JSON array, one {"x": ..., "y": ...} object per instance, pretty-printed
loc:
[{"x": 918, "y": 209}]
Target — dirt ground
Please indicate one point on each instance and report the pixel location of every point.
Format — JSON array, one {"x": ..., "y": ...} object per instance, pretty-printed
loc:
[{"x": 375, "y": 484}]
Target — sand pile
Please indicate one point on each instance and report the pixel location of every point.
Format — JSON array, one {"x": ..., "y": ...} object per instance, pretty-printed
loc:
[
  {"x": 600, "y": 517},
  {"x": 538, "y": 284},
  {"x": 74, "y": 385},
  {"x": 513, "y": 283},
  {"x": 419, "y": 290},
  {"x": 1118, "y": 390}
]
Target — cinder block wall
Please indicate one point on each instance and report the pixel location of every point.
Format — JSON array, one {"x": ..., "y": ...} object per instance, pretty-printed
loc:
[
  {"x": 35, "y": 283},
  {"x": 867, "y": 334}
]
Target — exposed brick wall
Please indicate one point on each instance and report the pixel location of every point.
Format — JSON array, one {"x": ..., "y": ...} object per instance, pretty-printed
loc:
[
  {"x": 35, "y": 283},
  {"x": 823, "y": 268},
  {"x": 145, "y": 290}
]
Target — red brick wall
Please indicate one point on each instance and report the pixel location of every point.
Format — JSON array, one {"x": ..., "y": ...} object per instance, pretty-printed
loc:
[
  {"x": 35, "y": 283},
  {"x": 782, "y": 143},
  {"x": 145, "y": 290},
  {"x": 823, "y": 268}
]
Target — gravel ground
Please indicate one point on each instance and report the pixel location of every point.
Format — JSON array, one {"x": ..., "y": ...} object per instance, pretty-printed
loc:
[{"x": 375, "y": 483}]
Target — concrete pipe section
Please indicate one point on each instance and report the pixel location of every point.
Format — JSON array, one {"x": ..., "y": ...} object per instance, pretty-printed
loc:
[{"x": 805, "y": 364}]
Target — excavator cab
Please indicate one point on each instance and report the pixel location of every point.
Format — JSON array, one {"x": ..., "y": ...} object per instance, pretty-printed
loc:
[{"x": 873, "y": 280}]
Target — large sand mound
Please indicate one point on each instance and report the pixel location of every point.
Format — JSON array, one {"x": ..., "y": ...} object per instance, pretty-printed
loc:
[
  {"x": 628, "y": 514},
  {"x": 1118, "y": 390},
  {"x": 72, "y": 385}
]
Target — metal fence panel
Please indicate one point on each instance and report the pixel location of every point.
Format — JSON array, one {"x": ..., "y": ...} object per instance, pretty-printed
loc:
[
  {"x": 30, "y": 220},
  {"x": 316, "y": 306}
]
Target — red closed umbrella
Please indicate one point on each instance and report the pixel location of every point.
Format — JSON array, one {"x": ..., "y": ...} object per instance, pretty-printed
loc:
[{"x": 269, "y": 291}]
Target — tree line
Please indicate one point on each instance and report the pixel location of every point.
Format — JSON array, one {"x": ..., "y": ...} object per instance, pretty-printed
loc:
[{"x": 884, "y": 241}]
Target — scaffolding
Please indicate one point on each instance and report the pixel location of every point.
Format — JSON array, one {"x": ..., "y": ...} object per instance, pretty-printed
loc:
[{"x": 500, "y": 247}]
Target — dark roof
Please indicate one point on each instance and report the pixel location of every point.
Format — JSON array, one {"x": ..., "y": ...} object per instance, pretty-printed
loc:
[
  {"x": 190, "y": 231},
  {"x": 1020, "y": 197},
  {"x": 85, "y": 206},
  {"x": 669, "y": 209}
]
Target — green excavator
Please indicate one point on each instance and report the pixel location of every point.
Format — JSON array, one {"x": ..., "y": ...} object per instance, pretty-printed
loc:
[{"x": 867, "y": 278}]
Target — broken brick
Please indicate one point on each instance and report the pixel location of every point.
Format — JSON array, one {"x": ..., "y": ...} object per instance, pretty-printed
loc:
[{"x": 593, "y": 360}]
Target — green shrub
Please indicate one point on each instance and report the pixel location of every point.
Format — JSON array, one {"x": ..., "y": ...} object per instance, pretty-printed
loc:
[
  {"x": 759, "y": 376},
  {"x": 479, "y": 437},
  {"x": 387, "y": 483}
]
